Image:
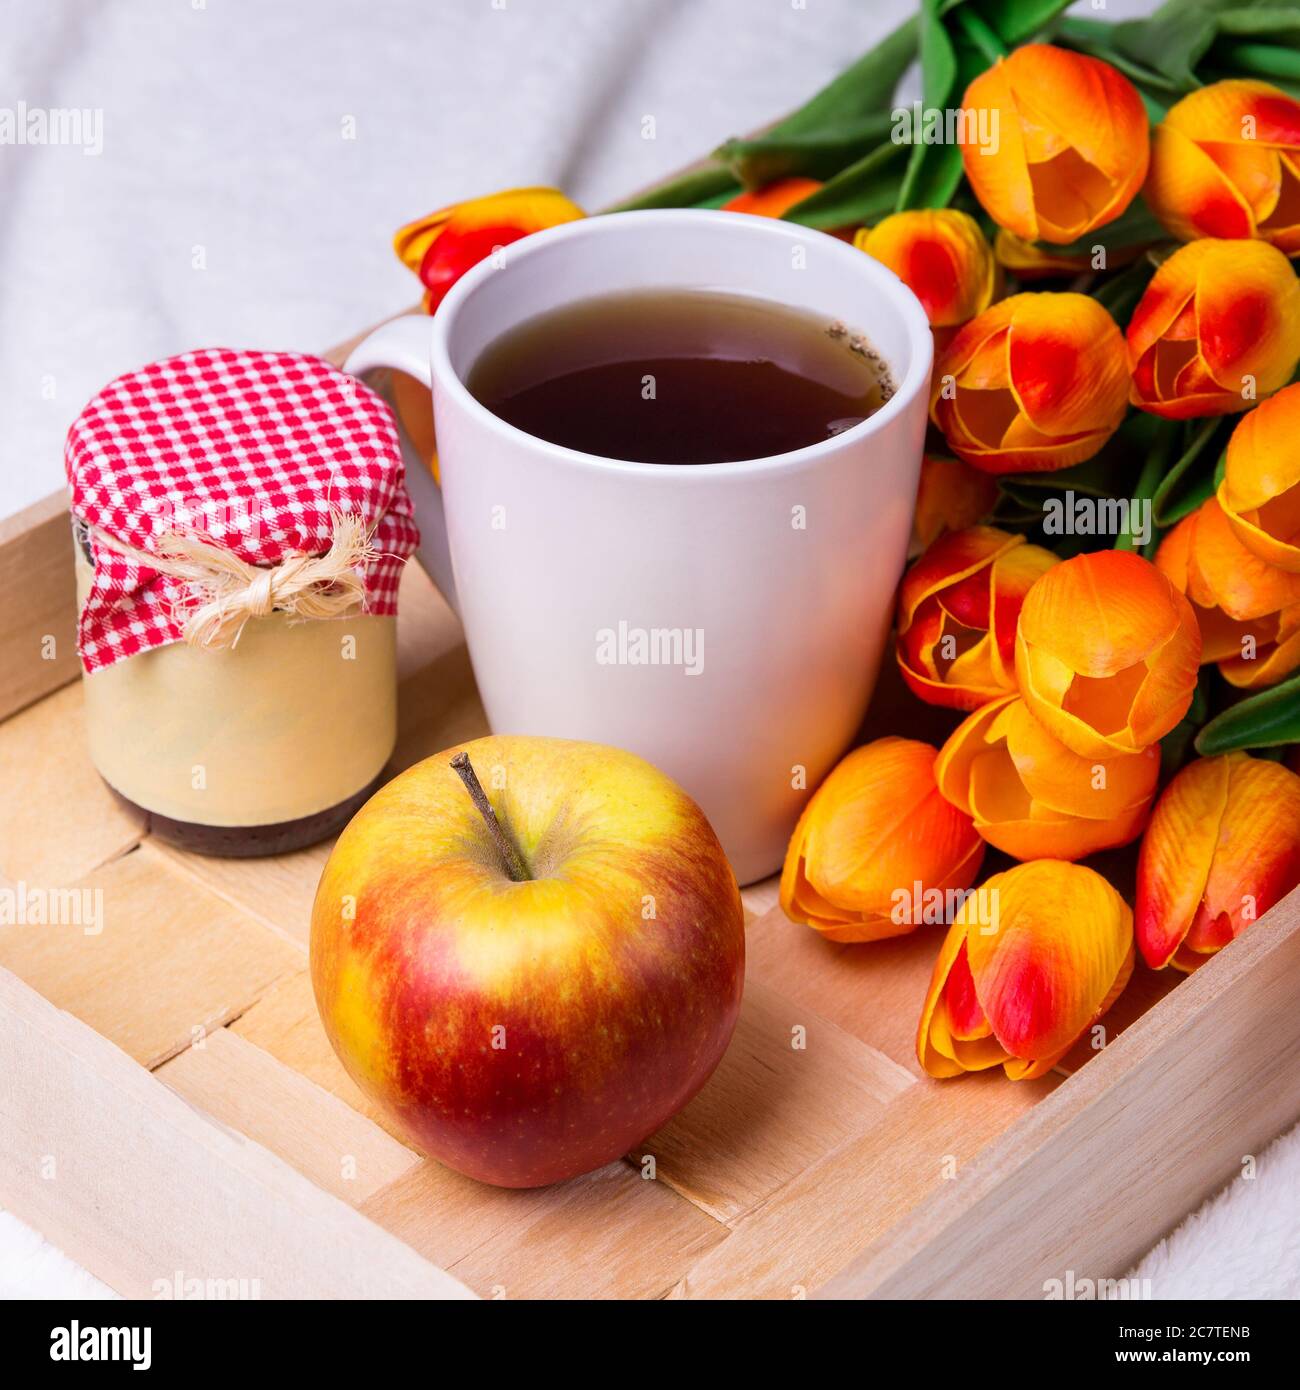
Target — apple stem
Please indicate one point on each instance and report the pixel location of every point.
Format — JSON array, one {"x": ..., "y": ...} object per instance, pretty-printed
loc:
[{"x": 513, "y": 860}]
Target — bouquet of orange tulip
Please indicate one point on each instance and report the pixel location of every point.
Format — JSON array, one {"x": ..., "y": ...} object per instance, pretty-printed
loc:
[{"x": 1098, "y": 220}]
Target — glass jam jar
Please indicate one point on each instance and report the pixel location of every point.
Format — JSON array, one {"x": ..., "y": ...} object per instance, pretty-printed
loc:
[{"x": 242, "y": 521}]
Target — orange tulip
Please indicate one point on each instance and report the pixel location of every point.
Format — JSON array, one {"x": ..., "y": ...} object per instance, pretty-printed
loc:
[
  {"x": 957, "y": 612},
  {"x": 874, "y": 833},
  {"x": 1260, "y": 492},
  {"x": 1218, "y": 327},
  {"x": 1031, "y": 797},
  {"x": 1248, "y": 611},
  {"x": 441, "y": 247},
  {"x": 1070, "y": 149},
  {"x": 1106, "y": 653},
  {"x": 1225, "y": 162},
  {"x": 775, "y": 200},
  {"x": 1223, "y": 846},
  {"x": 950, "y": 496},
  {"x": 1035, "y": 383},
  {"x": 941, "y": 256},
  {"x": 1029, "y": 964}
]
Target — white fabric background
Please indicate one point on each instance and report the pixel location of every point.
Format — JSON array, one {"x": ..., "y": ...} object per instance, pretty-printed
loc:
[{"x": 224, "y": 130}]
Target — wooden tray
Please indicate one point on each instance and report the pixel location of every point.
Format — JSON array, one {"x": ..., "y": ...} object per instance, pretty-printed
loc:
[{"x": 170, "y": 1109}]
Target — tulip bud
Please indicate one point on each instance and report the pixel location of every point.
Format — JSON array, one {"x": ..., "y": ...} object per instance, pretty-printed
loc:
[
  {"x": 941, "y": 256},
  {"x": 1223, "y": 846},
  {"x": 1035, "y": 383},
  {"x": 873, "y": 830},
  {"x": 950, "y": 496},
  {"x": 441, "y": 247},
  {"x": 957, "y": 612},
  {"x": 775, "y": 200},
  {"x": 1217, "y": 328},
  {"x": 1260, "y": 491},
  {"x": 1224, "y": 164},
  {"x": 1071, "y": 143},
  {"x": 1030, "y": 962},
  {"x": 1248, "y": 611},
  {"x": 1031, "y": 797},
  {"x": 1106, "y": 653}
]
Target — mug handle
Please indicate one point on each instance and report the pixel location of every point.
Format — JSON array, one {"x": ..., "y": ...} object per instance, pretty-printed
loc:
[{"x": 402, "y": 345}]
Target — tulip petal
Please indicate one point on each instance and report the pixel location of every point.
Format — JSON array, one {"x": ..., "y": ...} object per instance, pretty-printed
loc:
[
  {"x": 1000, "y": 179},
  {"x": 950, "y": 496},
  {"x": 1277, "y": 652},
  {"x": 941, "y": 256},
  {"x": 442, "y": 246},
  {"x": 1101, "y": 612},
  {"x": 934, "y": 1046},
  {"x": 775, "y": 200},
  {"x": 1107, "y": 652},
  {"x": 1234, "y": 578},
  {"x": 1062, "y": 939},
  {"x": 1260, "y": 492},
  {"x": 1247, "y": 315},
  {"x": 1190, "y": 193},
  {"x": 1012, "y": 574},
  {"x": 876, "y": 826},
  {"x": 1174, "y": 861},
  {"x": 1031, "y": 797},
  {"x": 1256, "y": 861}
]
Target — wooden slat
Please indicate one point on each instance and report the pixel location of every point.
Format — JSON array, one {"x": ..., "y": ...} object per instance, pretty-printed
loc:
[
  {"x": 58, "y": 821},
  {"x": 286, "y": 1024},
  {"x": 826, "y": 1215},
  {"x": 1144, "y": 991},
  {"x": 872, "y": 991},
  {"x": 313, "y": 1131},
  {"x": 137, "y": 1185},
  {"x": 38, "y": 630},
  {"x": 277, "y": 892},
  {"x": 1089, "y": 1179},
  {"x": 791, "y": 1088},
  {"x": 611, "y": 1234},
  {"x": 171, "y": 961}
]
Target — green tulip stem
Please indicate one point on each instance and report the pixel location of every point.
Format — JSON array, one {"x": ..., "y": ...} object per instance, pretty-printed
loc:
[{"x": 514, "y": 862}]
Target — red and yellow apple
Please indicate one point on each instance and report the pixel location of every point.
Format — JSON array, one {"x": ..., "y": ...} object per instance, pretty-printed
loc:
[{"x": 527, "y": 1021}]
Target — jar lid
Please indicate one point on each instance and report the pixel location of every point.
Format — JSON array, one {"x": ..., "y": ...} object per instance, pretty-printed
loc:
[{"x": 203, "y": 481}]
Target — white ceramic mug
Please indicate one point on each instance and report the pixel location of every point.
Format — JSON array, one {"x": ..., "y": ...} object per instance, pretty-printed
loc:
[{"x": 725, "y": 621}]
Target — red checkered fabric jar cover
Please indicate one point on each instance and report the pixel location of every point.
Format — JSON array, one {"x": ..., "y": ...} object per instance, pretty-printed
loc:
[{"x": 254, "y": 451}]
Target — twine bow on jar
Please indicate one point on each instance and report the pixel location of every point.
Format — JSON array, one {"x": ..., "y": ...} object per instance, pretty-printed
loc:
[{"x": 223, "y": 591}]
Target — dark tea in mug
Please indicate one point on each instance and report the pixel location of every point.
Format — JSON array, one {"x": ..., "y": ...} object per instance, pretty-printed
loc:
[{"x": 681, "y": 376}]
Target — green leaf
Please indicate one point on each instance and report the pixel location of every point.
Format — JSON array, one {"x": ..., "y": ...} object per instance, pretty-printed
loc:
[
  {"x": 864, "y": 192},
  {"x": 1017, "y": 21},
  {"x": 1272, "y": 21},
  {"x": 954, "y": 51},
  {"x": 1262, "y": 720},
  {"x": 1185, "y": 486},
  {"x": 699, "y": 188},
  {"x": 812, "y": 154},
  {"x": 1095, "y": 38},
  {"x": 1268, "y": 60},
  {"x": 1171, "y": 42},
  {"x": 1153, "y": 470}
]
